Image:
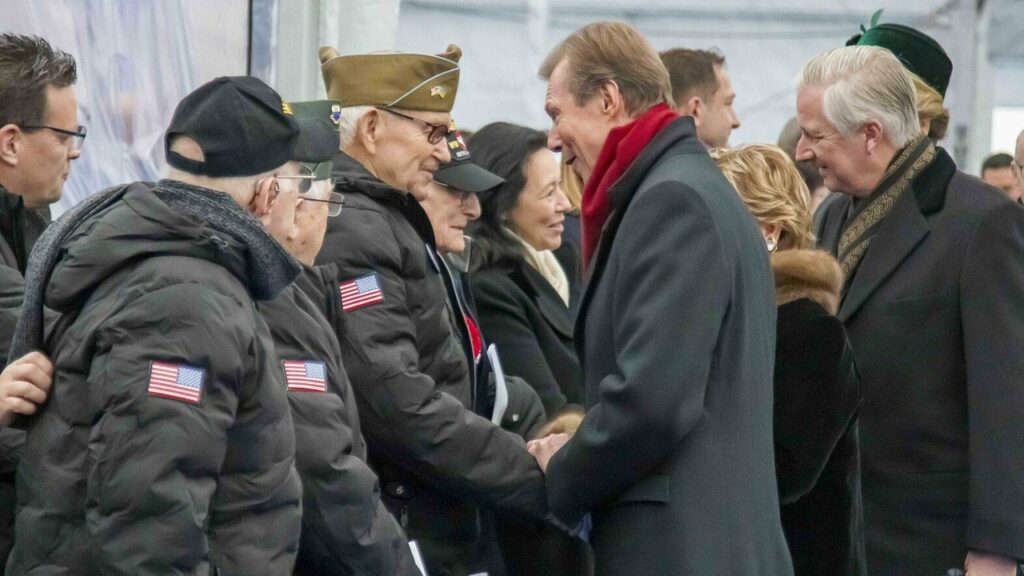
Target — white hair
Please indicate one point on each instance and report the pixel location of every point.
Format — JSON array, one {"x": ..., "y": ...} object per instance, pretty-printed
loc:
[
  {"x": 864, "y": 83},
  {"x": 349, "y": 122}
]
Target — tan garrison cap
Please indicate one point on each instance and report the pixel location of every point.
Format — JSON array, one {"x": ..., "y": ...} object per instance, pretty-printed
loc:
[{"x": 400, "y": 80}]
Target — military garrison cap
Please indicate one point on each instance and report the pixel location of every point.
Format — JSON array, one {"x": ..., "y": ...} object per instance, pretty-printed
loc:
[
  {"x": 920, "y": 53},
  {"x": 396, "y": 79}
]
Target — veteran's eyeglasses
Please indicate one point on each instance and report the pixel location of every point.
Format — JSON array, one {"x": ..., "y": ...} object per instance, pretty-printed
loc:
[
  {"x": 72, "y": 139},
  {"x": 436, "y": 132},
  {"x": 305, "y": 178},
  {"x": 335, "y": 202}
]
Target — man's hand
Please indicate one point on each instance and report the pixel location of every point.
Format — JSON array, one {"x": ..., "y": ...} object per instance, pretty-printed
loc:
[
  {"x": 544, "y": 448},
  {"x": 985, "y": 564},
  {"x": 24, "y": 385}
]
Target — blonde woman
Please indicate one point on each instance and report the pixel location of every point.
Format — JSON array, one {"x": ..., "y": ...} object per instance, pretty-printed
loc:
[{"x": 817, "y": 393}]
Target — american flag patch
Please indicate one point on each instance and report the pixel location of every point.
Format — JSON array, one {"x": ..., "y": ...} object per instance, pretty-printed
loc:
[
  {"x": 176, "y": 381},
  {"x": 305, "y": 375},
  {"x": 361, "y": 292}
]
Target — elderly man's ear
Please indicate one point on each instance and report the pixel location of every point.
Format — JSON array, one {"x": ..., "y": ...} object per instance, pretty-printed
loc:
[
  {"x": 368, "y": 130},
  {"x": 263, "y": 199}
]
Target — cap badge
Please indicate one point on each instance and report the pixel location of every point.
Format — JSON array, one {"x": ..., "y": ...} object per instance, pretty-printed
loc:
[
  {"x": 438, "y": 91},
  {"x": 336, "y": 114},
  {"x": 286, "y": 107}
]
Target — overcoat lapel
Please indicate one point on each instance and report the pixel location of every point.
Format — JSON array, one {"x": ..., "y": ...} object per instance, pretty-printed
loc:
[
  {"x": 545, "y": 297},
  {"x": 620, "y": 194},
  {"x": 898, "y": 235},
  {"x": 901, "y": 232}
]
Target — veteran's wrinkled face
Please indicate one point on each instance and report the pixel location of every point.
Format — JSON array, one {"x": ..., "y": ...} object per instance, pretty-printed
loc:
[
  {"x": 44, "y": 160},
  {"x": 540, "y": 208},
  {"x": 842, "y": 160},
  {"x": 450, "y": 211},
  {"x": 578, "y": 131},
  {"x": 404, "y": 157}
]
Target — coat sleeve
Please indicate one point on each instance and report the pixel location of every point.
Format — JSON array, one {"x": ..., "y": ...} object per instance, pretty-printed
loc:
[
  {"x": 992, "y": 302},
  {"x": 428, "y": 432},
  {"x": 504, "y": 323},
  {"x": 817, "y": 396},
  {"x": 153, "y": 462},
  {"x": 671, "y": 286},
  {"x": 346, "y": 529}
]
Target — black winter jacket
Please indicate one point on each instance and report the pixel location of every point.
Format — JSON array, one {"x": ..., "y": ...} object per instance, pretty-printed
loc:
[
  {"x": 523, "y": 314},
  {"x": 817, "y": 399},
  {"x": 19, "y": 228},
  {"x": 117, "y": 478},
  {"x": 345, "y": 528},
  {"x": 436, "y": 458}
]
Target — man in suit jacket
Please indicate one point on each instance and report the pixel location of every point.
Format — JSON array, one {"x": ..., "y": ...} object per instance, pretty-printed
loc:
[
  {"x": 932, "y": 303},
  {"x": 676, "y": 331}
]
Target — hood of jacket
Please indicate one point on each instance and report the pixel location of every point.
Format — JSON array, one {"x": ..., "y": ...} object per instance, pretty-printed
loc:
[
  {"x": 137, "y": 227},
  {"x": 811, "y": 274}
]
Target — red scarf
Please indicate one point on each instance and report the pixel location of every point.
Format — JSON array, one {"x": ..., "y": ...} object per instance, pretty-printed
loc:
[{"x": 621, "y": 148}]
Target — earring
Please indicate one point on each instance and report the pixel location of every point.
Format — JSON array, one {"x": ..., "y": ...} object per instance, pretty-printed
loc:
[{"x": 772, "y": 245}]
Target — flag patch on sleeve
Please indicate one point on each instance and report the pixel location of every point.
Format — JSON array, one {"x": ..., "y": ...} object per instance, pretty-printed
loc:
[
  {"x": 176, "y": 381},
  {"x": 361, "y": 292},
  {"x": 305, "y": 375}
]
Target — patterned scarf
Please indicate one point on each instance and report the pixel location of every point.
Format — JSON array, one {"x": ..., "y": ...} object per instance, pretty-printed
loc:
[{"x": 864, "y": 222}]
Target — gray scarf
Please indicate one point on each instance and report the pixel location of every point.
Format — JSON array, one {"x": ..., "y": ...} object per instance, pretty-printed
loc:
[{"x": 270, "y": 268}]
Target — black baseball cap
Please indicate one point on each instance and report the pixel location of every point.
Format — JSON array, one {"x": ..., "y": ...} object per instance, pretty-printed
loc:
[
  {"x": 244, "y": 128},
  {"x": 461, "y": 173}
]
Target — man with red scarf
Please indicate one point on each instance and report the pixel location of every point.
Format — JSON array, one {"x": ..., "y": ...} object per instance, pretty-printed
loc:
[{"x": 676, "y": 331}]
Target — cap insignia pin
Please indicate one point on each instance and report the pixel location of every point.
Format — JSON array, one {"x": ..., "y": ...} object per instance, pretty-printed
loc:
[{"x": 438, "y": 91}]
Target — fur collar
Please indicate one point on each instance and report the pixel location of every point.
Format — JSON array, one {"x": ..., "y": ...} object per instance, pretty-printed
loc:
[{"x": 811, "y": 274}]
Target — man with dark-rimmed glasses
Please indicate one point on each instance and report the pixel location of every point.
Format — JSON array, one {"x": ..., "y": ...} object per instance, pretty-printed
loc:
[
  {"x": 39, "y": 137},
  {"x": 423, "y": 411}
]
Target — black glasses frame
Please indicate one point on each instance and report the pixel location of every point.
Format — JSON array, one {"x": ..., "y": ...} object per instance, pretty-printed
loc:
[
  {"x": 437, "y": 132},
  {"x": 78, "y": 138},
  {"x": 336, "y": 201}
]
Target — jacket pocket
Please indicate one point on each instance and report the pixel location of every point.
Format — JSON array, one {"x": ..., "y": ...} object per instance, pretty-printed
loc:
[{"x": 650, "y": 488}]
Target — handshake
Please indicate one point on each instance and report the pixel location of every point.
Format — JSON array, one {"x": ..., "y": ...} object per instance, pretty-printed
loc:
[{"x": 553, "y": 436}]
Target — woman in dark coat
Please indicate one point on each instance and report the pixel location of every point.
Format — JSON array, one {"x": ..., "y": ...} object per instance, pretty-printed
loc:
[
  {"x": 524, "y": 294},
  {"x": 817, "y": 390}
]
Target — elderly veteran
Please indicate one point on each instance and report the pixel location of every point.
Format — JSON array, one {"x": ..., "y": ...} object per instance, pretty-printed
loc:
[
  {"x": 419, "y": 401},
  {"x": 931, "y": 304},
  {"x": 345, "y": 527},
  {"x": 167, "y": 444}
]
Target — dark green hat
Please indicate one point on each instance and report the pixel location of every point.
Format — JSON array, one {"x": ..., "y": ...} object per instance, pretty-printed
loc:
[
  {"x": 920, "y": 53},
  {"x": 327, "y": 112}
]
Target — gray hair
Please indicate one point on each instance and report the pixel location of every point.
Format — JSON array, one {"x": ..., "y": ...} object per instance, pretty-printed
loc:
[
  {"x": 349, "y": 122},
  {"x": 864, "y": 83}
]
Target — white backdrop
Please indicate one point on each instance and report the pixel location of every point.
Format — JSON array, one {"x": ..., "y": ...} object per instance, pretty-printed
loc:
[
  {"x": 137, "y": 58},
  {"x": 765, "y": 44}
]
